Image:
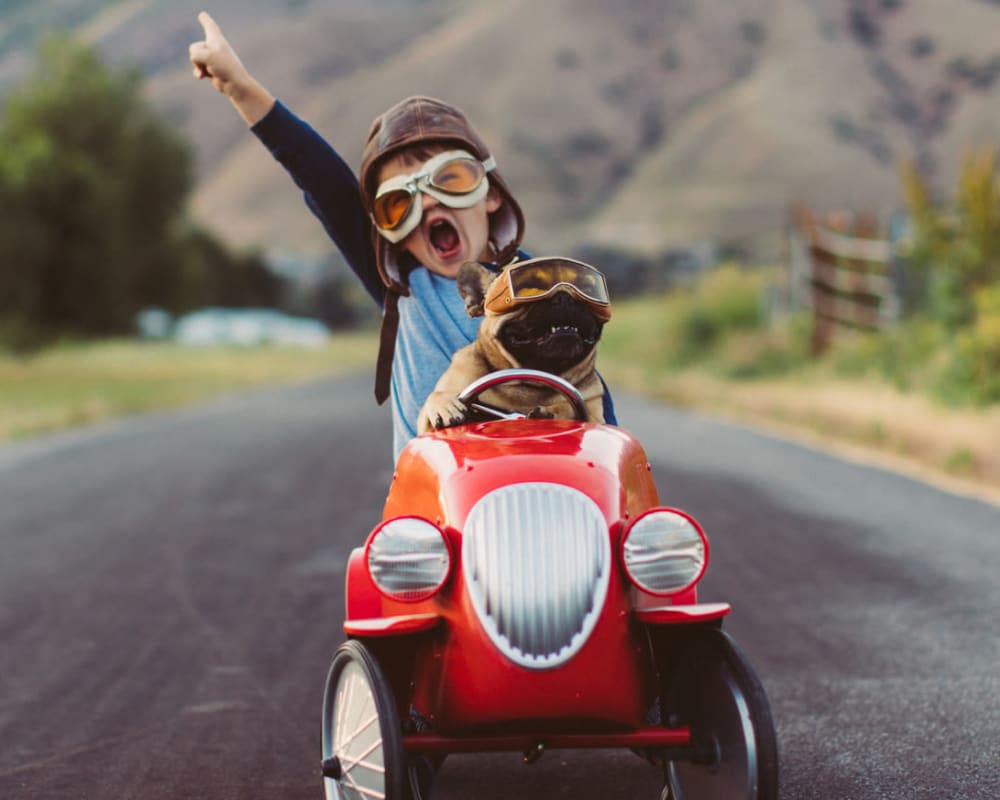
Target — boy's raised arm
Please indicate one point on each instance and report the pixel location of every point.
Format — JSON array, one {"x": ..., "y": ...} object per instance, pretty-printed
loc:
[{"x": 215, "y": 59}]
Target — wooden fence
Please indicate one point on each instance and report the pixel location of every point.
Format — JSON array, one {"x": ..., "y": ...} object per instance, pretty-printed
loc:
[{"x": 840, "y": 268}]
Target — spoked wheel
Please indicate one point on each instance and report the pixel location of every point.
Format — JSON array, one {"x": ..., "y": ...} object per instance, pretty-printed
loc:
[
  {"x": 714, "y": 689},
  {"x": 362, "y": 744}
]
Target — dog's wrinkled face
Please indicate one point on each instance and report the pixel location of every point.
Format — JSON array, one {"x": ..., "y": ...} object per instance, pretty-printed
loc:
[{"x": 552, "y": 334}]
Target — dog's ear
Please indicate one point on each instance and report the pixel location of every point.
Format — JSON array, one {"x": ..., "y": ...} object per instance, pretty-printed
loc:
[{"x": 473, "y": 279}]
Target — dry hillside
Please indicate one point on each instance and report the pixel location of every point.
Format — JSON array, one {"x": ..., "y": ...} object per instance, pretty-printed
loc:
[{"x": 639, "y": 123}]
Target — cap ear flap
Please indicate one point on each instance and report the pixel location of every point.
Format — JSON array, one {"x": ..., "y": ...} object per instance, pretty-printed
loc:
[{"x": 473, "y": 280}]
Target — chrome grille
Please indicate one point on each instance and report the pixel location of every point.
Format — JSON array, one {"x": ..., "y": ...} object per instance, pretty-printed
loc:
[{"x": 537, "y": 559}]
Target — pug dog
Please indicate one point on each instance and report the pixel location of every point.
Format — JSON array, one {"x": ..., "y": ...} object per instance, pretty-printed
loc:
[{"x": 546, "y": 314}]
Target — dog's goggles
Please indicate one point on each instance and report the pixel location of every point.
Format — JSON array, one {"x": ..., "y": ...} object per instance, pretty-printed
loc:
[
  {"x": 455, "y": 178},
  {"x": 538, "y": 278}
]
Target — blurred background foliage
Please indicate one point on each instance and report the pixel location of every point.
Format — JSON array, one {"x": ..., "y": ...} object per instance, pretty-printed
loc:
[
  {"x": 94, "y": 187},
  {"x": 946, "y": 345},
  {"x": 953, "y": 271}
]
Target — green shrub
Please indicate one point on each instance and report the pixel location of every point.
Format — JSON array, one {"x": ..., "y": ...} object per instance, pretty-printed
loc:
[
  {"x": 974, "y": 375},
  {"x": 725, "y": 300},
  {"x": 905, "y": 355},
  {"x": 955, "y": 249},
  {"x": 718, "y": 323},
  {"x": 961, "y": 461},
  {"x": 698, "y": 332}
]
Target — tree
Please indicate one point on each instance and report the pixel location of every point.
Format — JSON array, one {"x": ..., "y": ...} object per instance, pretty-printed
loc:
[
  {"x": 93, "y": 186},
  {"x": 954, "y": 264},
  {"x": 955, "y": 250},
  {"x": 212, "y": 275}
]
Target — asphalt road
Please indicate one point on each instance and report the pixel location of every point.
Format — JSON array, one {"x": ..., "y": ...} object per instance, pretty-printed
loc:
[{"x": 171, "y": 591}]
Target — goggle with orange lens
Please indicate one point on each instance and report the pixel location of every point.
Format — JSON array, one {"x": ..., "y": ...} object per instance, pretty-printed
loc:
[
  {"x": 537, "y": 278},
  {"x": 454, "y": 178}
]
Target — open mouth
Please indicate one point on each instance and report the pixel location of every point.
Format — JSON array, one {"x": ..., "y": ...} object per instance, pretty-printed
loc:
[
  {"x": 555, "y": 349},
  {"x": 551, "y": 335},
  {"x": 556, "y": 335},
  {"x": 444, "y": 238}
]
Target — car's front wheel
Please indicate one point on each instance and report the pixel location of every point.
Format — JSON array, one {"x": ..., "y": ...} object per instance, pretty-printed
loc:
[
  {"x": 362, "y": 745},
  {"x": 712, "y": 688}
]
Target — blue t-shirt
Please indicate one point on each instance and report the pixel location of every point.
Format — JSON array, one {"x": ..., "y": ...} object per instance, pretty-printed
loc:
[{"x": 433, "y": 322}]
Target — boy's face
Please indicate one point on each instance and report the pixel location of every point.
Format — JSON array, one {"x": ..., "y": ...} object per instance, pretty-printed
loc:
[{"x": 446, "y": 237}]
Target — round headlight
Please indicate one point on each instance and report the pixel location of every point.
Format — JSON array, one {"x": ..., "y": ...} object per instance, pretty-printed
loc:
[
  {"x": 408, "y": 558},
  {"x": 665, "y": 552}
]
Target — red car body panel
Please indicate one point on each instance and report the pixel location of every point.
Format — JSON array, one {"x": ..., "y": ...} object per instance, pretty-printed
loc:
[{"x": 460, "y": 682}]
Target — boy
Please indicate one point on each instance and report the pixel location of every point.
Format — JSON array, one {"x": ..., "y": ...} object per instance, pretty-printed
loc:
[{"x": 429, "y": 198}]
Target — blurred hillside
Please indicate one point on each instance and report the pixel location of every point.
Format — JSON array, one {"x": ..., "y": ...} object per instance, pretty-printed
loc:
[{"x": 640, "y": 124}]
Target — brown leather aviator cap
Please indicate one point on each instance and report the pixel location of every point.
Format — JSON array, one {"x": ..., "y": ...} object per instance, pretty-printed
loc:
[{"x": 423, "y": 120}]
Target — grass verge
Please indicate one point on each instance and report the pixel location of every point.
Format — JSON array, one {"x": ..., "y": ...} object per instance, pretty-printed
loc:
[
  {"x": 866, "y": 420},
  {"x": 78, "y": 384},
  {"x": 715, "y": 348}
]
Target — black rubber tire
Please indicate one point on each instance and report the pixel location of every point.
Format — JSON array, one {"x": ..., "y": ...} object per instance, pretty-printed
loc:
[
  {"x": 713, "y": 689},
  {"x": 356, "y": 685}
]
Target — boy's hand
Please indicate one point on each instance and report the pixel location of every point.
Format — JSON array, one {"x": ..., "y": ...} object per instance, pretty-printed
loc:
[{"x": 215, "y": 59}]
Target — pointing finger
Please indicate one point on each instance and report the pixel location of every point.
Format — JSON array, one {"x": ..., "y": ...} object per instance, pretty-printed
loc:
[{"x": 209, "y": 25}]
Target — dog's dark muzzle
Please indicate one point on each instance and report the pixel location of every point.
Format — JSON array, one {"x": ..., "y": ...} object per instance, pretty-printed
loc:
[{"x": 553, "y": 334}]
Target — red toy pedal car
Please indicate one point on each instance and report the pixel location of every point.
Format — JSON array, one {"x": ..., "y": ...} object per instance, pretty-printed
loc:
[{"x": 525, "y": 591}]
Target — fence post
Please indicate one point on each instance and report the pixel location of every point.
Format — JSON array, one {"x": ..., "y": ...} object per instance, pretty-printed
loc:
[{"x": 847, "y": 273}]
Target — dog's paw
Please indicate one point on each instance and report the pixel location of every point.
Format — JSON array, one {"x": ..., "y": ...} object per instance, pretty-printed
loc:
[
  {"x": 540, "y": 413},
  {"x": 447, "y": 413}
]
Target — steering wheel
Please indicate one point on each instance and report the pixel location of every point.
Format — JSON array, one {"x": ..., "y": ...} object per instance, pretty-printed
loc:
[{"x": 470, "y": 394}]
